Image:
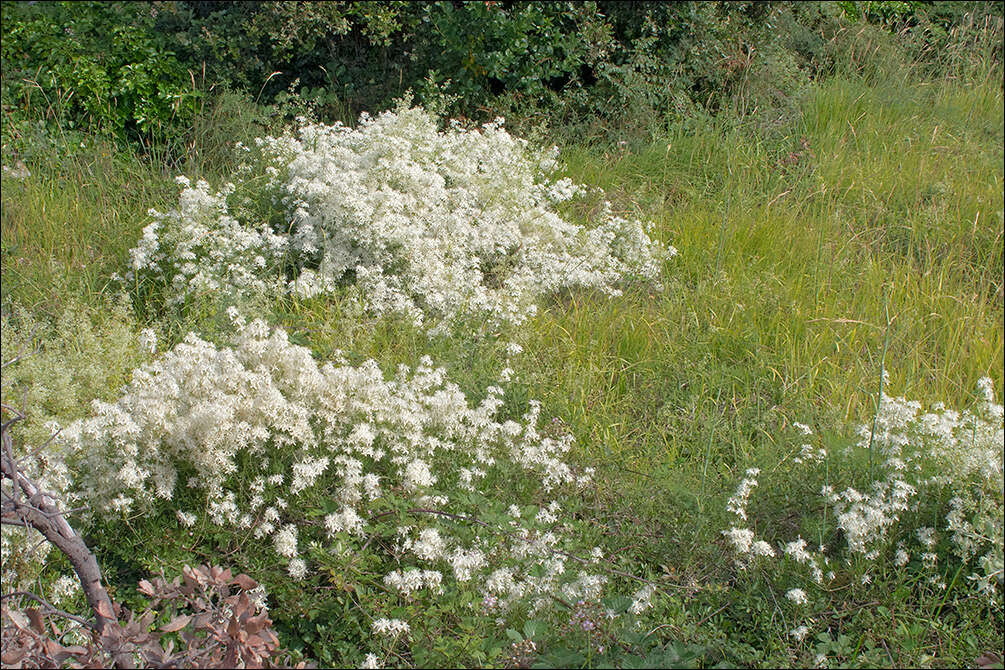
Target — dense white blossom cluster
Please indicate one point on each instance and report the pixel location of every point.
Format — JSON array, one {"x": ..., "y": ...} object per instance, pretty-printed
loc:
[
  {"x": 965, "y": 451},
  {"x": 428, "y": 224},
  {"x": 261, "y": 429},
  {"x": 199, "y": 248}
]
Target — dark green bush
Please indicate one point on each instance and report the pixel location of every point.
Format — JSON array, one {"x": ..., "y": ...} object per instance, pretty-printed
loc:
[
  {"x": 599, "y": 69},
  {"x": 95, "y": 65}
]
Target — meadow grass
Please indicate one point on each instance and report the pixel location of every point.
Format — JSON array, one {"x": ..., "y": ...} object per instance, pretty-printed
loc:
[
  {"x": 876, "y": 245},
  {"x": 867, "y": 237}
]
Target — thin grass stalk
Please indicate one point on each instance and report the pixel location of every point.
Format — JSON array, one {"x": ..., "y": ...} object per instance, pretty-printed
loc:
[{"x": 882, "y": 370}]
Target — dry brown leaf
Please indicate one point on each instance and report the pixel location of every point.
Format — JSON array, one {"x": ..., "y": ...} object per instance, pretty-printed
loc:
[
  {"x": 12, "y": 657},
  {"x": 176, "y": 624},
  {"x": 146, "y": 588},
  {"x": 104, "y": 609},
  {"x": 36, "y": 620},
  {"x": 257, "y": 623},
  {"x": 989, "y": 660},
  {"x": 245, "y": 582}
]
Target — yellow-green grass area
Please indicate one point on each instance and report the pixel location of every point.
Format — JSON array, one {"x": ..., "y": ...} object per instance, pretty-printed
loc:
[
  {"x": 873, "y": 241},
  {"x": 869, "y": 241}
]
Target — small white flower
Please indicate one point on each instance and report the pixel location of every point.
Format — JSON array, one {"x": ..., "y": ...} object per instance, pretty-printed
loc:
[
  {"x": 797, "y": 550},
  {"x": 285, "y": 541},
  {"x": 798, "y": 596},
  {"x": 799, "y": 632},
  {"x": 64, "y": 588},
  {"x": 742, "y": 538},
  {"x": 762, "y": 548},
  {"x": 185, "y": 518},
  {"x": 297, "y": 568},
  {"x": 390, "y": 627}
]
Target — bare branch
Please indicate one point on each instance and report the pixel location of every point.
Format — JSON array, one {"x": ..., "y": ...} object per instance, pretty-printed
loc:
[
  {"x": 41, "y": 512},
  {"x": 48, "y": 607}
]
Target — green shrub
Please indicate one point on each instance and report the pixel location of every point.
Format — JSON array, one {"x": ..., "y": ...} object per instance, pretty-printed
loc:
[{"x": 95, "y": 65}]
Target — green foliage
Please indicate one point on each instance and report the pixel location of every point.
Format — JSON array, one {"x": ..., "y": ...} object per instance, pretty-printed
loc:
[
  {"x": 147, "y": 69},
  {"x": 95, "y": 65},
  {"x": 881, "y": 11}
]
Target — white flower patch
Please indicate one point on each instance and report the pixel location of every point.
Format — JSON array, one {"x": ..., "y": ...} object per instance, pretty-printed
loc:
[
  {"x": 428, "y": 224},
  {"x": 922, "y": 456},
  {"x": 302, "y": 453},
  {"x": 200, "y": 248}
]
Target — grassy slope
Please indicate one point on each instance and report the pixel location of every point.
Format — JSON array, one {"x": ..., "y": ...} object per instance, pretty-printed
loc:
[{"x": 792, "y": 274}]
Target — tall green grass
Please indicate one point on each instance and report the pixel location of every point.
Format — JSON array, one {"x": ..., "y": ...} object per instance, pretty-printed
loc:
[{"x": 869, "y": 238}]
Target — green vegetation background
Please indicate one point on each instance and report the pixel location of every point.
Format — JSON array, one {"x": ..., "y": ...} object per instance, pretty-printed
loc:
[{"x": 832, "y": 174}]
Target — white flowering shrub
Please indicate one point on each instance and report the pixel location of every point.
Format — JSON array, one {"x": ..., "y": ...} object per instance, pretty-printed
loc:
[
  {"x": 316, "y": 460},
  {"x": 426, "y": 224},
  {"x": 942, "y": 465},
  {"x": 199, "y": 248}
]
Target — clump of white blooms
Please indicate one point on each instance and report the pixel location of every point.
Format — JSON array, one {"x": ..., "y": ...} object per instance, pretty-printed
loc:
[
  {"x": 807, "y": 452},
  {"x": 642, "y": 599},
  {"x": 199, "y": 248},
  {"x": 266, "y": 438},
  {"x": 64, "y": 588},
  {"x": 391, "y": 627},
  {"x": 922, "y": 458},
  {"x": 428, "y": 224},
  {"x": 743, "y": 539},
  {"x": 738, "y": 503},
  {"x": 413, "y": 579},
  {"x": 798, "y": 596}
]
